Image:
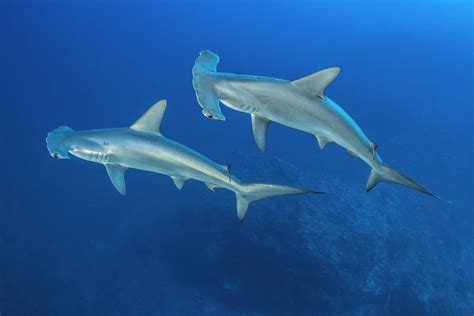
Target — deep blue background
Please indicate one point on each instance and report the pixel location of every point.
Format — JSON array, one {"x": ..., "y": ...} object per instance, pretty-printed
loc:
[{"x": 71, "y": 245}]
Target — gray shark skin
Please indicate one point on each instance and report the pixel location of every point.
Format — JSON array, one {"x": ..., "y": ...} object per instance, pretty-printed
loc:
[
  {"x": 299, "y": 104},
  {"x": 142, "y": 146}
]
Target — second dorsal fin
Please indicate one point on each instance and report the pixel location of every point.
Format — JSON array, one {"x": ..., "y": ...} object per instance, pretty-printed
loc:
[
  {"x": 316, "y": 84},
  {"x": 151, "y": 119}
]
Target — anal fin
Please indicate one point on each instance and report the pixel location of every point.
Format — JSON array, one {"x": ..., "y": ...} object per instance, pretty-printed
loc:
[{"x": 211, "y": 186}]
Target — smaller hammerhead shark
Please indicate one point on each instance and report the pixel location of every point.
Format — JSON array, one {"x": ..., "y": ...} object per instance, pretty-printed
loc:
[{"x": 143, "y": 146}]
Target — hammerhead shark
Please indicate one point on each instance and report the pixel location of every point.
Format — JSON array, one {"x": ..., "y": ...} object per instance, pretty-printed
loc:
[
  {"x": 300, "y": 104},
  {"x": 143, "y": 146}
]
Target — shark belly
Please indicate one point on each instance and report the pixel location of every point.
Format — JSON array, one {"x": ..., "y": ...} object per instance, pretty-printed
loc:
[
  {"x": 283, "y": 103},
  {"x": 159, "y": 154},
  {"x": 274, "y": 100}
]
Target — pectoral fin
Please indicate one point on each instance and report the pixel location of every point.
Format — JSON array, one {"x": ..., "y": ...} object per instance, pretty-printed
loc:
[
  {"x": 179, "y": 181},
  {"x": 259, "y": 127},
  {"x": 117, "y": 176}
]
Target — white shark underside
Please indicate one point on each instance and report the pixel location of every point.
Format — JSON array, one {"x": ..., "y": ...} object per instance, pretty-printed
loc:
[
  {"x": 299, "y": 104},
  {"x": 142, "y": 146}
]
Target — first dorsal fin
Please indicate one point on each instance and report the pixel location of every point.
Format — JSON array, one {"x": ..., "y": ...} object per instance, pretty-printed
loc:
[
  {"x": 151, "y": 119},
  {"x": 316, "y": 84}
]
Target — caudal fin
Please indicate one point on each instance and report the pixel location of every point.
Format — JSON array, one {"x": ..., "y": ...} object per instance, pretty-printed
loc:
[
  {"x": 258, "y": 191},
  {"x": 385, "y": 173},
  {"x": 203, "y": 78}
]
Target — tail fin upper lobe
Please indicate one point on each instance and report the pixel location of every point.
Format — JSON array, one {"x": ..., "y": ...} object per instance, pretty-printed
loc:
[
  {"x": 385, "y": 173},
  {"x": 259, "y": 191},
  {"x": 203, "y": 77}
]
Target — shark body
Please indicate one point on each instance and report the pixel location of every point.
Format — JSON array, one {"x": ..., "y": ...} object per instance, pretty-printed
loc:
[
  {"x": 299, "y": 104},
  {"x": 142, "y": 146}
]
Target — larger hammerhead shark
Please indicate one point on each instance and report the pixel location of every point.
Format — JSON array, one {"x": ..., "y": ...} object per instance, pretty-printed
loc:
[
  {"x": 299, "y": 104},
  {"x": 142, "y": 146}
]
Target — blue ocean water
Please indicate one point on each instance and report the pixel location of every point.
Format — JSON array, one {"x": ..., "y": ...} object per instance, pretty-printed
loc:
[{"x": 71, "y": 245}]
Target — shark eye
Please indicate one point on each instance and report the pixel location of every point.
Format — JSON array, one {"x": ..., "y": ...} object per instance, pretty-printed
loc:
[
  {"x": 55, "y": 155},
  {"x": 210, "y": 116}
]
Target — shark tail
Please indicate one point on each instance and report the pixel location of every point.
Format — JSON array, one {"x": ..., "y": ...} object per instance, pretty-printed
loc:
[
  {"x": 204, "y": 71},
  {"x": 385, "y": 173},
  {"x": 258, "y": 191}
]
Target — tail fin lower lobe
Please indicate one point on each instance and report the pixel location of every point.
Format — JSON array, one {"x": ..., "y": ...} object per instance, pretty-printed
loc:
[
  {"x": 388, "y": 174},
  {"x": 258, "y": 191}
]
